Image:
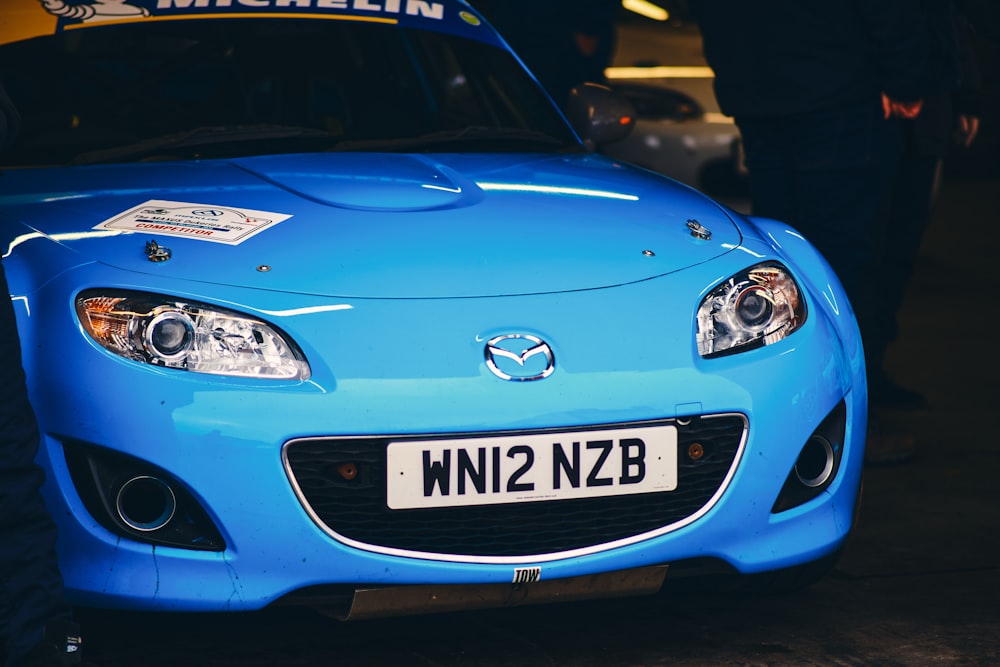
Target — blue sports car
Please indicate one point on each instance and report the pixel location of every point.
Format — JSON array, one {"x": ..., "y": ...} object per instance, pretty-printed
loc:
[{"x": 326, "y": 302}]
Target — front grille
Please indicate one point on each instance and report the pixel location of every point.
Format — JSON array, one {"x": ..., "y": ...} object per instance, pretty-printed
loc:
[{"x": 355, "y": 508}]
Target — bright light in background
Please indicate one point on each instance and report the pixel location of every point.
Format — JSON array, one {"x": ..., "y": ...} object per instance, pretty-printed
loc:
[
  {"x": 647, "y": 9},
  {"x": 659, "y": 72}
]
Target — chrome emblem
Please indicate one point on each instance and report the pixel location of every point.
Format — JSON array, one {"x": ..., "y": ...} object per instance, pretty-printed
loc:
[{"x": 519, "y": 357}]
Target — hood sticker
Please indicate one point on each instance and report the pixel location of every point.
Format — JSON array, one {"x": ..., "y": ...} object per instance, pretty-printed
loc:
[{"x": 205, "y": 222}]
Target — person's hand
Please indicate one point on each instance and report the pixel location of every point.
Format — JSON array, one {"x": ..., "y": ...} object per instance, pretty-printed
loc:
[
  {"x": 906, "y": 110},
  {"x": 966, "y": 129},
  {"x": 586, "y": 44}
]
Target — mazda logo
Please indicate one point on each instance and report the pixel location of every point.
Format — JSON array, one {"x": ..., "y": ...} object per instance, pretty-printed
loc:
[{"x": 519, "y": 357}]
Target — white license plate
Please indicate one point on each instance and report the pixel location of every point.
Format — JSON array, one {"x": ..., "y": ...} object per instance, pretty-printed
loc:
[{"x": 531, "y": 468}]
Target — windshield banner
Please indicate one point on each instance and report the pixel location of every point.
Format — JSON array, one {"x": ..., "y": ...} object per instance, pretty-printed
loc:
[{"x": 24, "y": 19}]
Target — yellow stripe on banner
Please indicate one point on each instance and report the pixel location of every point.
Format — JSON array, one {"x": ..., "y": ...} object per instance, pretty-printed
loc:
[
  {"x": 240, "y": 15},
  {"x": 24, "y": 19}
]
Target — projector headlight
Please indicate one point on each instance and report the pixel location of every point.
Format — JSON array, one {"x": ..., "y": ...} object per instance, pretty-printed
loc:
[
  {"x": 754, "y": 308},
  {"x": 172, "y": 333}
]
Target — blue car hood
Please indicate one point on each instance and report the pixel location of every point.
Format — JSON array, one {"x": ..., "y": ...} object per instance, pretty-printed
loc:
[{"x": 380, "y": 225}]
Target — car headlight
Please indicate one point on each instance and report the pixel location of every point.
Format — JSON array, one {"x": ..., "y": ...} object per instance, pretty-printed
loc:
[
  {"x": 754, "y": 308},
  {"x": 189, "y": 336}
]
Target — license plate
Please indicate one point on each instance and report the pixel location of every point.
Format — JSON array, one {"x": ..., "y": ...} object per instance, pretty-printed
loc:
[{"x": 531, "y": 468}]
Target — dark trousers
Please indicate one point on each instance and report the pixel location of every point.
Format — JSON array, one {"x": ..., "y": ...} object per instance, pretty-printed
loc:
[
  {"x": 907, "y": 223},
  {"x": 31, "y": 587},
  {"x": 828, "y": 174}
]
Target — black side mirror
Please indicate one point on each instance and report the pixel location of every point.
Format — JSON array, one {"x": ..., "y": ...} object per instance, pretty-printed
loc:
[{"x": 599, "y": 115}]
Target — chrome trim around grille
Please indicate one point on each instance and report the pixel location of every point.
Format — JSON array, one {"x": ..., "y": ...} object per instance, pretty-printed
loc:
[{"x": 516, "y": 559}]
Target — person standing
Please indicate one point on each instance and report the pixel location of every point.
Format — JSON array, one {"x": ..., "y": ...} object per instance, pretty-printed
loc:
[
  {"x": 810, "y": 84},
  {"x": 813, "y": 87},
  {"x": 949, "y": 118},
  {"x": 36, "y": 621}
]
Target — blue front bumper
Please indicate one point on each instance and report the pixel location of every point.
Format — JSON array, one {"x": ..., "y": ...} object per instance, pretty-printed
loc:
[{"x": 390, "y": 368}]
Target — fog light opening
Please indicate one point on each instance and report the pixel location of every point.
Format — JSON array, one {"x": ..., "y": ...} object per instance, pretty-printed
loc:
[
  {"x": 814, "y": 466},
  {"x": 145, "y": 503}
]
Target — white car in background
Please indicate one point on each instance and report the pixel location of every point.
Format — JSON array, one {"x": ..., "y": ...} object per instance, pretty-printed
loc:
[
  {"x": 676, "y": 136},
  {"x": 679, "y": 131}
]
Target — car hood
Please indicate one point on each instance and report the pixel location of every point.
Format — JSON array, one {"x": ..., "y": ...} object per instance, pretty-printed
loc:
[{"x": 376, "y": 225}]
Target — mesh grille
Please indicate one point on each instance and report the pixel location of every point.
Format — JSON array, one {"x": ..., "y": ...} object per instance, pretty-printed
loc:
[{"x": 356, "y": 508}]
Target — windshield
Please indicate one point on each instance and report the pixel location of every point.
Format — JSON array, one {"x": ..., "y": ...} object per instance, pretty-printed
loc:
[{"x": 236, "y": 87}]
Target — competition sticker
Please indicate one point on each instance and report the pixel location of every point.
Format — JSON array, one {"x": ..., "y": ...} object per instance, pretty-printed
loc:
[{"x": 205, "y": 222}]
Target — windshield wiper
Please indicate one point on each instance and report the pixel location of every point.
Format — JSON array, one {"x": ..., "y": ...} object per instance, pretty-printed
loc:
[
  {"x": 474, "y": 134},
  {"x": 204, "y": 136}
]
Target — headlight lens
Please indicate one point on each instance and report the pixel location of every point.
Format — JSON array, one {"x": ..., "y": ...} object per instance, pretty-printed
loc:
[
  {"x": 754, "y": 308},
  {"x": 189, "y": 336}
]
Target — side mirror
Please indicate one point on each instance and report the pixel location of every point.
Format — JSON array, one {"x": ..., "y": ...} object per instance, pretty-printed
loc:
[{"x": 599, "y": 115}]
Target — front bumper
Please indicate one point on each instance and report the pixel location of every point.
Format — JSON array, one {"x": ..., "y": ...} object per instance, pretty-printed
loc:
[{"x": 221, "y": 442}]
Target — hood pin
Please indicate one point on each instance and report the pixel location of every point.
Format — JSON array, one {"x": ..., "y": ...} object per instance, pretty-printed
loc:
[
  {"x": 698, "y": 230},
  {"x": 157, "y": 253}
]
